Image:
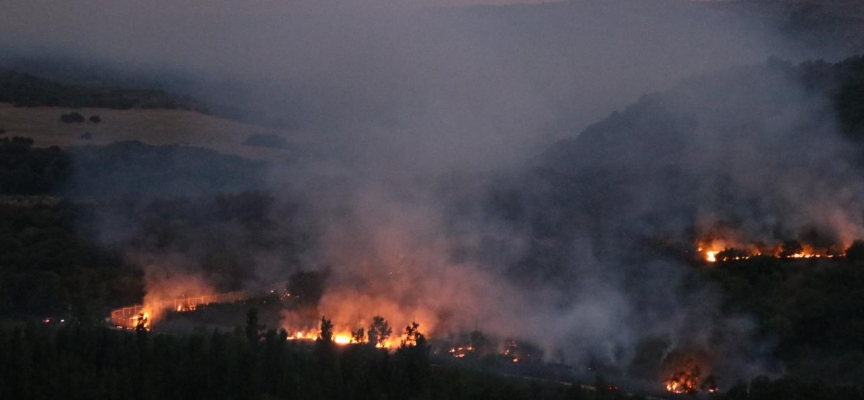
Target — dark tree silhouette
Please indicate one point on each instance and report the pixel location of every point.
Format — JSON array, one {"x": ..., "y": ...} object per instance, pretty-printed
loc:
[
  {"x": 325, "y": 334},
  {"x": 358, "y": 336},
  {"x": 253, "y": 330},
  {"x": 379, "y": 331},
  {"x": 855, "y": 252}
]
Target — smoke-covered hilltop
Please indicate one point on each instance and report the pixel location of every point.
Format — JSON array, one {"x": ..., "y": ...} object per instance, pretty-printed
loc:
[
  {"x": 770, "y": 150},
  {"x": 755, "y": 158}
]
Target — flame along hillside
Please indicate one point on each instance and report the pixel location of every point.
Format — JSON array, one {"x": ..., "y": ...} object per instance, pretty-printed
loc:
[
  {"x": 722, "y": 249},
  {"x": 153, "y": 314}
]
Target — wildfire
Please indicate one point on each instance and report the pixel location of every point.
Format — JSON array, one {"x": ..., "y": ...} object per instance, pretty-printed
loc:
[
  {"x": 141, "y": 321},
  {"x": 461, "y": 351},
  {"x": 687, "y": 381},
  {"x": 711, "y": 256},
  {"x": 342, "y": 338},
  {"x": 720, "y": 251}
]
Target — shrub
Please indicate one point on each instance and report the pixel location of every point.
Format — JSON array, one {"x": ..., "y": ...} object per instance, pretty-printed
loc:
[{"x": 72, "y": 117}]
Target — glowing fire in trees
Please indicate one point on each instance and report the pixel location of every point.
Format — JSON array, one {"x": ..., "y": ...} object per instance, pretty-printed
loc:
[
  {"x": 688, "y": 381},
  {"x": 341, "y": 337},
  {"x": 721, "y": 250}
]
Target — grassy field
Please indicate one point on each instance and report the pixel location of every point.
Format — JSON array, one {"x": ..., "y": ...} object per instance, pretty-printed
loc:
[{"x": 155, "y": 127}]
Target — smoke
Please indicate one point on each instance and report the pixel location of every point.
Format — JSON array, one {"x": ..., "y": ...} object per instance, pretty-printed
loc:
[{"x": 418, "y": 126}]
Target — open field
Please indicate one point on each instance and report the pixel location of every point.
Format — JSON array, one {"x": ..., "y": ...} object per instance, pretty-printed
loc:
[{"x": 155, "y": 127}]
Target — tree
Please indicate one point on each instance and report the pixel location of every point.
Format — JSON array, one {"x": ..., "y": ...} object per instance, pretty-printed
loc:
[
  {"x": 412, "y": 335},
  {"x": 326, "y": 332},
  {"x": 252, "y": 327},
  {"x": 358, "y": 336},
  {"x": 72, "y": 117},
  {"x": 412, "y": 358},
  {"x": 379, "y": 331},
  {"x": 855, "y": 252}
]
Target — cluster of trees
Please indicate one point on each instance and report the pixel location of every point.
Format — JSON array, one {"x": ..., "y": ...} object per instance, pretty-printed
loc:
[
  {"x": 26, "y": 90},
  {"x": 49, "y": 268},
  {"x": 133, "y": 167},
  {"x": 28, "y": 170},
  {"x": 39, "y": 362},
  {"x": 121, "y": 169},
  {"x": 76, "y": 118},
  {"x": 812, "y": 308}
]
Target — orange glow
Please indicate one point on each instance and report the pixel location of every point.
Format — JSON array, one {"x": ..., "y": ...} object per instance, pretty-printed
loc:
[
  {"x": 688, "y": 380},
  {"x": 461, "y": 351},
  {"x": 342, "y": 339},
  {"x": 710, "y": 256},
  {"x": 721, "y": 250},
  {"x": 684, "y": 382}
]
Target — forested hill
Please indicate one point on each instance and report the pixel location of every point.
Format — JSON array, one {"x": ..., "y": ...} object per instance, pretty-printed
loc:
[
  {"x": 26, "y": 90},
  {"x": 734, "y": 106},
  {"x": 759, "y": 154}
]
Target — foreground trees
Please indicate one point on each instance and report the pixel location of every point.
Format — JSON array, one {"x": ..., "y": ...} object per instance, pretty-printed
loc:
[{"x": 42, "y": 362}]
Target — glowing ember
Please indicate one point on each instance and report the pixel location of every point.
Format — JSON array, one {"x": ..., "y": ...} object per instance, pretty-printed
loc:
[{"x": 461, "y": 351}]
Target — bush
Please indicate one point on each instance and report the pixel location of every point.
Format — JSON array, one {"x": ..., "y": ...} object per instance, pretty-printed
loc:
[
  {"x": 72, "y": 117},
  {"x": 95, "y": 119}
]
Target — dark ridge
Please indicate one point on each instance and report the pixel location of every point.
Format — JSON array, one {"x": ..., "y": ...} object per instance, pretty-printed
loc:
[{"x": 26, "y": 90}]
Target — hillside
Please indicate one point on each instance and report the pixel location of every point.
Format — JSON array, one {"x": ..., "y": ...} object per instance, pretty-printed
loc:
[
  {"x": 743, "y": 161},
  {"x": 151, "y": 126}
]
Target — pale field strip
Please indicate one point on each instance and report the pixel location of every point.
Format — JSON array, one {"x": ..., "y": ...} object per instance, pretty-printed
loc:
[{"x": 154, "y": 127}]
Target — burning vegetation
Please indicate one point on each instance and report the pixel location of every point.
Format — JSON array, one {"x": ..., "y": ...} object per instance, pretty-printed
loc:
[
  {"x": 717, "y": 249},
  {"x": 685, "y": 375},
  {"x": 688, "y": 381}
]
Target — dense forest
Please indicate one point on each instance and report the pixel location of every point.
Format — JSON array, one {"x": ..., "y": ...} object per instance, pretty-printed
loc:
[{"x": 44, "y": 362}]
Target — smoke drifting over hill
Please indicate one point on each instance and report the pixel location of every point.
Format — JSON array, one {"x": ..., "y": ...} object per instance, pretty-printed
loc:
[{"x": 424, "y": 121}]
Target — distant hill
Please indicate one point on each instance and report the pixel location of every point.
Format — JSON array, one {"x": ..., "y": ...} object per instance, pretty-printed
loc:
[
  {"x": 660, "y": 126},
  {"x": 151, "y": 126},
  {"x": 26, "y": 90}
]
